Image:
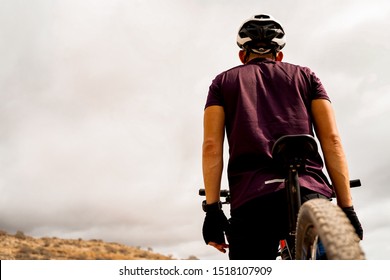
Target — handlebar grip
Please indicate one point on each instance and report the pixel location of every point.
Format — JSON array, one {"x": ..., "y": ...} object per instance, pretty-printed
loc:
[{"x": 355, "y": 183}]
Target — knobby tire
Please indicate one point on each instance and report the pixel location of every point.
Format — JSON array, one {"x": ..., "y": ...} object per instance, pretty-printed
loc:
[{"x": 319, "y": 219}]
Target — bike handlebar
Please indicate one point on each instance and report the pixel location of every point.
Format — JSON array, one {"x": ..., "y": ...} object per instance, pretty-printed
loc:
[{"x": 224, "y": 193}]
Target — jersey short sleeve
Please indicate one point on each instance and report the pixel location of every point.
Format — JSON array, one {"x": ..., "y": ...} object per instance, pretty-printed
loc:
[
  {"x": 215, "y": 96},
  {"x": 318, "y": 90}
]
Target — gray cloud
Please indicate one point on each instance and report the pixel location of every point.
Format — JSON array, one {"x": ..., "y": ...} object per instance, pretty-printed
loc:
[{"x": 102, "y": 102}]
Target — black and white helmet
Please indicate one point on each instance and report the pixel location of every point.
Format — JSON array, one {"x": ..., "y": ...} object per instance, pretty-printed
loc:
[{"x": 261, "y": 34}]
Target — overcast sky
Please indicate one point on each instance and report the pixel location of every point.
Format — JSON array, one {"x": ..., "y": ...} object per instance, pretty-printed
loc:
[{"x": 102, "y": 105}]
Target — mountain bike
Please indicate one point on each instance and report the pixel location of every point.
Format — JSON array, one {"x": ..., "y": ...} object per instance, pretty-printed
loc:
[{"x": 318, "y": 229}]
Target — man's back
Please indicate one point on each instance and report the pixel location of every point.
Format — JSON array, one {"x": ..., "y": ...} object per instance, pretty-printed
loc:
[{"x": 264, "y": 100}]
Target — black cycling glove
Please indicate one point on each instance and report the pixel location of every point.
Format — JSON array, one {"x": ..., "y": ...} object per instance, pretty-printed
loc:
[
  {"x": 214, "y": 226},
  {"x": 351, "y": 214}
]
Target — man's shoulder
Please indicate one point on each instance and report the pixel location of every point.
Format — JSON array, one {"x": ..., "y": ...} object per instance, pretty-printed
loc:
[
  {"x": 229, "y": 72},
  {"x": 233, "y": 69},
  {"x": 296, "y": 67}
]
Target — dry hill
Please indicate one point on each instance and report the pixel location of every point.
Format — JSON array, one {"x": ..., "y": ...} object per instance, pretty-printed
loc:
[{"x": 22, "y": 247}]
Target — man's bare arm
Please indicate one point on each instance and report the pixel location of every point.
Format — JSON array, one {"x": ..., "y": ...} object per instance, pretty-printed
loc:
[
  {"x": 334, "y": 156},
  {"x": 212, "y": 151}
]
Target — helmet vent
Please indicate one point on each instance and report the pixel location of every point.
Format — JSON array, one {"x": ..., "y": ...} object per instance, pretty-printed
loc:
[{"x": 262, "y": 16}]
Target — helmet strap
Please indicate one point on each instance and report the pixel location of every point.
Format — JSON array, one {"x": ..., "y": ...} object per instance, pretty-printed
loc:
[{"x": 274, "y": 53}]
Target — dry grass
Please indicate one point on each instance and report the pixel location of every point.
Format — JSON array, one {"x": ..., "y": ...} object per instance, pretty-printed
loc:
[{"x": 22, "y": 247}]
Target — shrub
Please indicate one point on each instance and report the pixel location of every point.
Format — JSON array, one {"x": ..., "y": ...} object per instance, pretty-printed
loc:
[{"x": 20, "y": 235}]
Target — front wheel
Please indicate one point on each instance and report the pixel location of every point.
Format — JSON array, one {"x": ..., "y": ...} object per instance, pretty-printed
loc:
[{"x": 323, "y": 226}]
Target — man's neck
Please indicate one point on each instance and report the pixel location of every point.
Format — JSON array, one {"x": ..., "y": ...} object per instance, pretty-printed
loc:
[{"x": 263, "y": 56}]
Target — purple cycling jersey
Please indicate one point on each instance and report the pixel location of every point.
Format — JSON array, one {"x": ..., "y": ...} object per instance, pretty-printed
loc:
[{"x": 264, "y": 100}]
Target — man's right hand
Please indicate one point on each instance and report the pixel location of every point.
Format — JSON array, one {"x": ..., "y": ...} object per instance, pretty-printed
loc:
[{"x": 214, "y": 227}]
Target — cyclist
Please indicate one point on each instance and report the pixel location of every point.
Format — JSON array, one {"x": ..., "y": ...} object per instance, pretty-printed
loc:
[{"x": 256, "y": 103}]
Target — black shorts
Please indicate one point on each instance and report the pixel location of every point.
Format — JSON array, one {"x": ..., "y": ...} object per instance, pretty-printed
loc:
[{"x": 259, "y": 225}]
